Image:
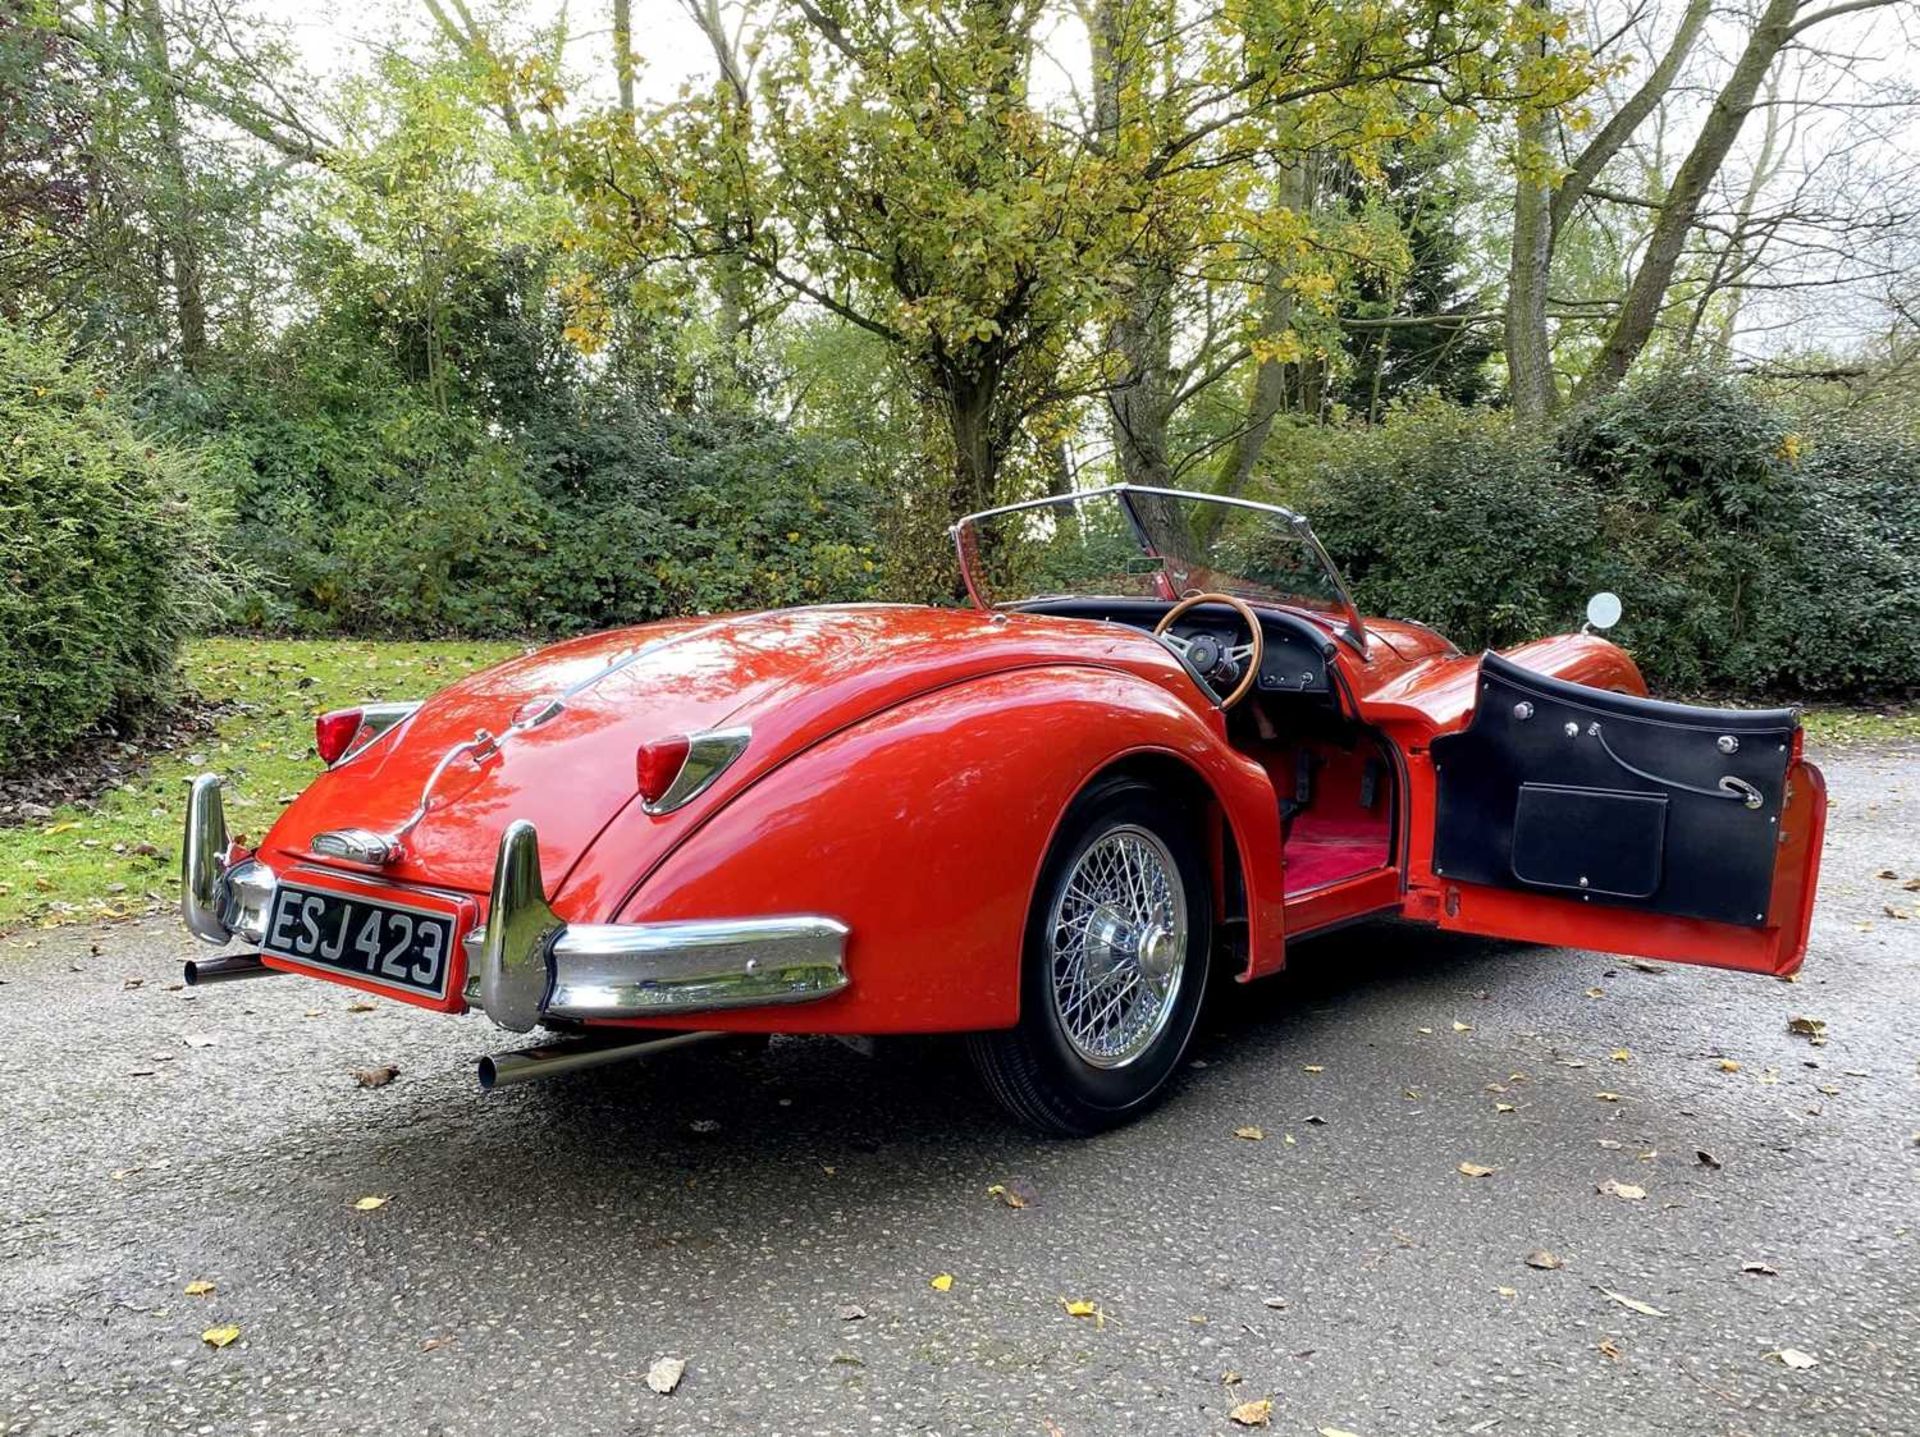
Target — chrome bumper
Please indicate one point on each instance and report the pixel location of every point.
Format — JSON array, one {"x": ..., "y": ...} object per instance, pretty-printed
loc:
[{"x": 526, "y": 966}]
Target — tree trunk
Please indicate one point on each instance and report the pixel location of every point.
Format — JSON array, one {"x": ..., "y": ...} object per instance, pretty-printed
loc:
[
  {"x": 1530, "y": 390},
  {"x": 1620, "y": 128},
  {"x": 1640, "y": 311},
  {"x": 1140, "y": 399},
  {"x": 623, "y": 54},
  {"x": 977, "y": 449},
  {"x": 178, "y": 219},
  {"x": 1268, "y": 395},
  {"x": 1293, "y": 190},
  {"x": 1140, "y": 396}
]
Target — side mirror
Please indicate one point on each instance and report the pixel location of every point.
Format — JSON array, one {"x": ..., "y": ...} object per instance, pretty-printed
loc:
[{"x": 1603, "y": 610}]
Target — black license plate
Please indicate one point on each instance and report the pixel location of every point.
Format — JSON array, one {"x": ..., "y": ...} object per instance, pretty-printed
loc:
[{"x": 384, "y": 943}]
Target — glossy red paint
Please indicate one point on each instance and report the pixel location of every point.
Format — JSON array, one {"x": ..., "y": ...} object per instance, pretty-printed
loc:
[
  {"x": 940, "y": 812},
  {"x": 906, "y": 773}
]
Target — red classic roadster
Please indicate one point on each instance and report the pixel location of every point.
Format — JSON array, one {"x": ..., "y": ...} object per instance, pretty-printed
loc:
[{"x": 1162, "y": 745}]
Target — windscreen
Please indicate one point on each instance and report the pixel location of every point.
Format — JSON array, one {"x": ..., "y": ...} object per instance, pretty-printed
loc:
[{"x": 1148, "y": 543}]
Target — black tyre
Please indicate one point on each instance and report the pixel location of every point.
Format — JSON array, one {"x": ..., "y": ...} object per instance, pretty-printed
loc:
[{"x": 1114, "y": 967}]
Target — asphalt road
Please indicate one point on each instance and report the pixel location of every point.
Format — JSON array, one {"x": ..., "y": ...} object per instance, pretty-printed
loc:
[{"x": 542, "y": 1246}]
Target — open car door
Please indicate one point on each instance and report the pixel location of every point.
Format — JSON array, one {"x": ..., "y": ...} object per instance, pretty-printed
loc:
[{"x": 1571, "y": 816}]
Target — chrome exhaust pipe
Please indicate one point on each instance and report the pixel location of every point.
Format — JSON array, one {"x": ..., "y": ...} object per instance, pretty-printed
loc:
[
  {"x": 503, "y": 1070},
  {"x": 201, "y": 971}
]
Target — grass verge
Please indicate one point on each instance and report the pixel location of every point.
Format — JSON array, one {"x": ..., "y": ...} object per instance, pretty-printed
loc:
[{"x": 119, "y": 857}]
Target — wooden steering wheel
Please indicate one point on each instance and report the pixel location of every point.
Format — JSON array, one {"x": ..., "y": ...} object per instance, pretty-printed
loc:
[{"x": 1204, "y": 656}]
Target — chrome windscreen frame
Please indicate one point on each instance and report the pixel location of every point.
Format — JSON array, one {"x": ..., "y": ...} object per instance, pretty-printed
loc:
[{"x": 1356, "y": 631}]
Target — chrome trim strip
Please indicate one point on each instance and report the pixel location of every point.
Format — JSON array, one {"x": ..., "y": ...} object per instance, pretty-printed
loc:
[
  {"x": 633, "y": 970},
  {"x": 203, "y": 860},
  {"x": 526, "y": 965},
  {"x": 708, "y": 756},
  {"x": 375, "y": 720}
]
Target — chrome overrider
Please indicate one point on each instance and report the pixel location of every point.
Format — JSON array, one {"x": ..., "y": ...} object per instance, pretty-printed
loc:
[{"x": 526, "y": 965}]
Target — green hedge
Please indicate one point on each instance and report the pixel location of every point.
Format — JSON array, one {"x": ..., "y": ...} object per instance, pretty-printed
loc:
[
  {"x": 106, "y": 548},
  {"x": 1752, "y": 559},
  {"x": 371, "y": 508}
]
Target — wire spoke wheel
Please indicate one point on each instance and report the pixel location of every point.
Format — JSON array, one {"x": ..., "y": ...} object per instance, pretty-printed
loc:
[{"x": 1117, "y": 941}]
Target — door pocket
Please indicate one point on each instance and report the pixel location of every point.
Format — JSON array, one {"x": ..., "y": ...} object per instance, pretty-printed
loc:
[{"x": 1589, "y": 840}]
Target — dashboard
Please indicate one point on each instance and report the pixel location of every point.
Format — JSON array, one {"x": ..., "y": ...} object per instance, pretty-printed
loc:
[{"x": 1296, "y": 654}]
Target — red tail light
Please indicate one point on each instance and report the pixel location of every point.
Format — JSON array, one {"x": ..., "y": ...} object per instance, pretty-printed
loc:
[
  {"x": 658, "y": 764},
  {"x": 333, "y": 734}
]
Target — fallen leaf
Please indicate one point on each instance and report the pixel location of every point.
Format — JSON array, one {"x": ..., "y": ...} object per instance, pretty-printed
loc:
[
  {"x": 198, "y": 1289},
  {"x": 1633, "y": 1304},
  {"x": 1886, "y": 873},
  {"x": 434, "y": 1344},
  {"x": 1278, "y": 1304},
  {"x": 1571, "y": 1062},
  {"x": 1475, "y": 1170},
  {"x": 1544, "y": 1260},
  {"x": 1337, "y": 1432},
  {"x": 1427, "y": 1031},
  {"x": 1507, "y": 1291},
  {"x": 219, "y": 1336},
  {"x": 1014, "y": 1192},
  {"x": 1460, "y": 1027},
  {"x": 1728, "y": 1065},
  {"x": 1503, "y": 1107},
  {"x": 1313, "y": 1068},
  {"x": 1622, "y": 1190},
  {"x": 199, "y": 1040},
  {"x": 375, "y": 1077},
  {"x": 1250, "y": 1133},
  {"x": 665, "y": 1374},
  {"x": 1645, "y": 967},
  {"x": 1080, "y": 1307},
  {"x": 1706, "y": 1159},
  {"x": 368, "y": 1204},
  {"x": 1253, "y": 1414},
  {"x": 1621, "y": 1055},
  {"x": 942, "y": 1282},
  {"x": 1596, "y": 992},
  {"x": 1315, "y": 1120},
  {"x": 1892, "y": 912},
  {"x": 1807, "y": 1027},
  {"x": 1608, "y": 1097},
  {"x": 1760, "y": 1268},
  {"x": 1608, "y": 1350},
  {"x": 361, "y": 1007},
  {"x": 1796, "y": 1359},
  {"x": 852, "y": 1312}
]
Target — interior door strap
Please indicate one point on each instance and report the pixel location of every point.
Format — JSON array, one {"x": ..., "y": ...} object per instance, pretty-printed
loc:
[{"x": 1729, "y": 787}]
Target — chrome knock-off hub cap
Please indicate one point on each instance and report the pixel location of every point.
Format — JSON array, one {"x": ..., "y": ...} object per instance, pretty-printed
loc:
[{"x": 1117, "y": 944}]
